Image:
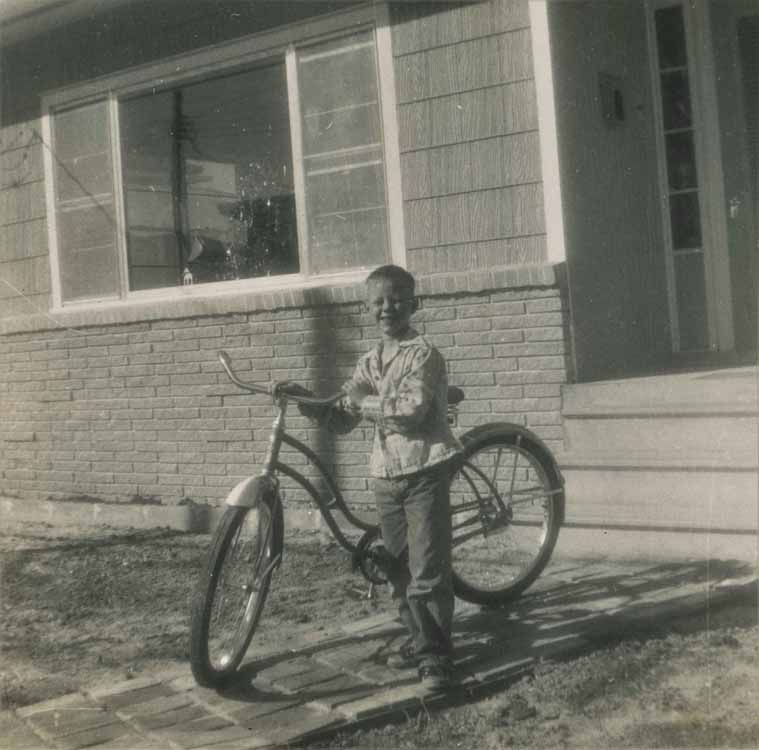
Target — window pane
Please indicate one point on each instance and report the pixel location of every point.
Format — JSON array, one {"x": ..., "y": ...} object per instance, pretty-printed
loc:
[
  {"x": 676, "y": 100},
  {"x": 343, "y": 156},
  {"x": 686, "y": 220},
  {"x": 89, "y": 261},
  {"x": 670, "y": 37},
  {"x": 681, "y": 161},
  {"x": 691, "y": 304},
  {"x": 84, "y": 203},
  {"x": 208, "y": 181}
]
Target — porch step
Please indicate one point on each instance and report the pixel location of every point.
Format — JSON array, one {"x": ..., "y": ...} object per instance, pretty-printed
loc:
[
  {"x": 677, "y": 435},
  {"x": 731, "y": 391},
  {"x": 690, "y": 415},
  {"x": 726, "y": 461},
  {"x": 664, "y": 497},
  {"x": 673, "y": 452}
]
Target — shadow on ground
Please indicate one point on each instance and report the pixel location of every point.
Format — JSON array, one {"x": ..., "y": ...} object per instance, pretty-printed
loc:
[{"x": 575, "y": 608}]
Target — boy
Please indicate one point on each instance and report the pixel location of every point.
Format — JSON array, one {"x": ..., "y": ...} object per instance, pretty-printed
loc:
[{"x": 401, "y": 385}]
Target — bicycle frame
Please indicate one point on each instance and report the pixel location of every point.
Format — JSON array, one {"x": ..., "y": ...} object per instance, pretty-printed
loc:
[
  {"x": 225, "y": 614},
  {"x": 249, "y": 491}
]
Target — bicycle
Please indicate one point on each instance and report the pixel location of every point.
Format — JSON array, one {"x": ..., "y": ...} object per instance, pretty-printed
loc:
[{"x": 506, "y": 520}]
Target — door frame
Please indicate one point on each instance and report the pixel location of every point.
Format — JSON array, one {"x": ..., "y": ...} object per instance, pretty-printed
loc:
[{"x": 712, "y": 201}]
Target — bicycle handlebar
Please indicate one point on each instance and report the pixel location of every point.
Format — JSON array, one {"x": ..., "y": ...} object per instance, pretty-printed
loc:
[{"x": 293, "y": 391}]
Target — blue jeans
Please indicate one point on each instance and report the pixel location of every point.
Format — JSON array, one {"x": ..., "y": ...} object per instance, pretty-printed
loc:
[{"x": 415, "y": 519}]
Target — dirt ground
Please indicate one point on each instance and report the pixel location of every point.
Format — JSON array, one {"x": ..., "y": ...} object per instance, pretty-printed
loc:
[{"x": 87, "y": 607}]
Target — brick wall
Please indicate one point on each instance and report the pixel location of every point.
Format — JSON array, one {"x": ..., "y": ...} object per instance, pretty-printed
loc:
[{"x": 143, "y": 409}]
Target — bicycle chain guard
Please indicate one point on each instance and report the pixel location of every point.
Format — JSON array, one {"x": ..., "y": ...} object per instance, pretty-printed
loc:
[{"x": 371, "y": 557}]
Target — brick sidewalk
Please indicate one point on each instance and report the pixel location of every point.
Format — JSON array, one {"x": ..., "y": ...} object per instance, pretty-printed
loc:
[{"x": 338, "y": 680}]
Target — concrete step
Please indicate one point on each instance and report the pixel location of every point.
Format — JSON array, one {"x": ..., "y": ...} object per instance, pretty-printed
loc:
[
  {"x": 683, "y": 498},
  {"x": 671, "y": 451},
  {"x": 728, "y": 391},
  {"x": 672, "y": 435},
  {"x": 661, "y": 459}
]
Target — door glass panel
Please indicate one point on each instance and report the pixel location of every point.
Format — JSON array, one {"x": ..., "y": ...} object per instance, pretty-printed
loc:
[
  {"x": 686, "y": 221},
  {"x": 676, "y": 100},
  {"x": 682, "y": 186},
  {"x": 670, "y": 37},
  {"x": 681, "y": 161}
]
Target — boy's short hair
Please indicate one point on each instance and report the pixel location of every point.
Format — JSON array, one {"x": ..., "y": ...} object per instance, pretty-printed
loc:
[{"x": 394, "y": 274}]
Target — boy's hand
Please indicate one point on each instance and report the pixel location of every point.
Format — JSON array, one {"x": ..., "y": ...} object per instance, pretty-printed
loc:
[
  {"x": 317, "y": 414},
  {"x": 355, "y": 393}
]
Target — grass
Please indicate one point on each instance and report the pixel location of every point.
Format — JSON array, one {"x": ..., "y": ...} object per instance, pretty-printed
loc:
[{"x": 102, "y": 606}]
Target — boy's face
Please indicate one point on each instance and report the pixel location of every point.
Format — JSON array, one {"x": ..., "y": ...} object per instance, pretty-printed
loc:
[{"x": 392, "y": 306}]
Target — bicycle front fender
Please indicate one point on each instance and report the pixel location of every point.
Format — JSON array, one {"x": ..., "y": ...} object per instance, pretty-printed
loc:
[{"x": 250, "y": 492}]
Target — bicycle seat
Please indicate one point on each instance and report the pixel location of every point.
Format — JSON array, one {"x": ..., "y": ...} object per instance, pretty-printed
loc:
[{"x": 455, "y": 395}]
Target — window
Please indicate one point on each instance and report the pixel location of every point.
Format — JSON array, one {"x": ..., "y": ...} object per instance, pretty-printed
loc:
[
  {"x": 271, "y": 169},
  {"x": 208, "y": 181},
  {"x": 677, "y": 131}
]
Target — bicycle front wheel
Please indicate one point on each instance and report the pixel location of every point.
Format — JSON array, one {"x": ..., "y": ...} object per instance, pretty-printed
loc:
[
  {"x": 506, "y": 505},
  {"x": 229, "y": 598}
]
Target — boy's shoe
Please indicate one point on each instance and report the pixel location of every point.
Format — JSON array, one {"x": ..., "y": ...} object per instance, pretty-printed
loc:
[
  {"x": 404, "y": 658},
  {"x": 440, "y": 676}
]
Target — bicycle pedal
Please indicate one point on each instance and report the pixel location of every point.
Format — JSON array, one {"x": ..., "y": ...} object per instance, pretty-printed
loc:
[{"x": 355, "y": 593}]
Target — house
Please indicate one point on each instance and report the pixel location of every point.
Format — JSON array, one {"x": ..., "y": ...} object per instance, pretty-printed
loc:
[{"x": 574, "y": 184}]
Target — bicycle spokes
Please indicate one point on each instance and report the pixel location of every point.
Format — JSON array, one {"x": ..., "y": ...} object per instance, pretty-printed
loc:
[
  {"x": 500, "y": 503},
  {"x": 237, "y": 593}
]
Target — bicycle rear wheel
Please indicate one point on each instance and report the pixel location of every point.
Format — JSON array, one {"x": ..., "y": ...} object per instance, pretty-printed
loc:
[
  {"x": 507, "y": 506},
  {"x": 229, "y": 598}
]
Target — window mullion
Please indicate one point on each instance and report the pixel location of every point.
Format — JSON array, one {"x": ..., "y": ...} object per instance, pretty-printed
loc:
[
  {"x": 390, "y": 136},
  {"x": 299, "y": 179},
  {"x": 46, "y": 127},
  {"x": 118, "y": 195}
]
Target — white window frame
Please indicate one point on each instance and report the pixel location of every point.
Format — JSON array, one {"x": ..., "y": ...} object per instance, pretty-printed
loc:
[{"x": 281, "y": 43}]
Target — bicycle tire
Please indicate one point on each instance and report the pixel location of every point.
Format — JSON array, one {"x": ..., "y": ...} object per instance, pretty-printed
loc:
[
  {"x": 507, "y": 512},
  {"x": 244, "y": 552}
]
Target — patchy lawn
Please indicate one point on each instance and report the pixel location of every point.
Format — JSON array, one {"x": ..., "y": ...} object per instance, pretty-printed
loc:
[{"x": 85, "y": 607}]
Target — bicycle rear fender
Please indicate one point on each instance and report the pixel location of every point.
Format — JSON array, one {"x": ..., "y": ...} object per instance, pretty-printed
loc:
[
  {"x": 484, "y": 431},
  {"x": 249, "y": 492}
]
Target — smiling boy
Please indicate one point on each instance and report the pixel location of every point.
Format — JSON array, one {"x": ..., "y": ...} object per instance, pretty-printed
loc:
[{"x": 401, "y": 385}]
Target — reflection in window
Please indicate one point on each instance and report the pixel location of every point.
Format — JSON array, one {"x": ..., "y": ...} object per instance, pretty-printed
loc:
[{"x": 208, "y": 181}]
